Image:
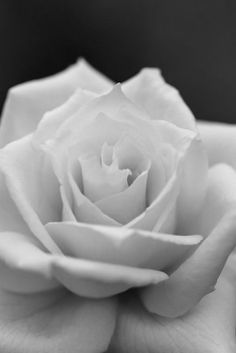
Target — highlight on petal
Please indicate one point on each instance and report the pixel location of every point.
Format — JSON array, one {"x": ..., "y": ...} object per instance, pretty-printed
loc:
[
  {"x": 220, "y": 142},
  {"x": 197, "y": 276},
  {"x": 27, "y": 102},
  {"x": 160, "y": 100},
  {"x": 121, "y": 245},
  {"x": 24, "y": 267},
  {"x": 99, "y": 279},
  {"x": 55, "y": 322}
]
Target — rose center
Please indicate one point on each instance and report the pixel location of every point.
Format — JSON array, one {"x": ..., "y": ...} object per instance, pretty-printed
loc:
[{"x": 102, "y": 175}]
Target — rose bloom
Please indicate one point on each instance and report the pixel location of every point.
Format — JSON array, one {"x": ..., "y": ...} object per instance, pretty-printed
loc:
[{"x": 114, "y": 229}]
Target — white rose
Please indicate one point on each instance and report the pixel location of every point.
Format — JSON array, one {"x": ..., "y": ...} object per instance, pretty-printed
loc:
[{"x": 102, "y": 190}]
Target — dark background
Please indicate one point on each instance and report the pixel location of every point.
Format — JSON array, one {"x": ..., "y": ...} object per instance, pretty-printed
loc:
[{"x": 192, "y": 41}]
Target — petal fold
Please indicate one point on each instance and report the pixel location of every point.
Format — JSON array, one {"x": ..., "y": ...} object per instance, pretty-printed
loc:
[
  {"x": 220, "y": 142},
  {"x": 56, "y": 322},
  {"x": 32, "y": 187},
  {"x": 98, "y": 279},
  {"x": 120, "y": 245},
  {"x": 27, "y": 102},
  {"x": 197, "y": 276},
  {"x": 24, "y": 267},
  {"x": 160, "y": 100}
]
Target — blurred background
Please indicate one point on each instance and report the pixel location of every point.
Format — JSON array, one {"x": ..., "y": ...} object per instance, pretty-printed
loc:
[{"x": 193, "y": 42}]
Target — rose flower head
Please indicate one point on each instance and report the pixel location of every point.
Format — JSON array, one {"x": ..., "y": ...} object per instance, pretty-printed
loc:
[{"x": 104, "y": 188}]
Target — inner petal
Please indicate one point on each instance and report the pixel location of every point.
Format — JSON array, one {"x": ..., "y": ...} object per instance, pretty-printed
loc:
[
  {"x": 129, "y": 156},
  {"x": 102, "y": 176}
]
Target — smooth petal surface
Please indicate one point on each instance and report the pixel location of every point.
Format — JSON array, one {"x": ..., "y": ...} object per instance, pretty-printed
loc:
[
  {"x": 109, "y": 180},
  {"x": 120, "y": 245},
  {"x": 10, "y": 217},
  {"x": 160, "y": 100},
  {"x": 99, "y": 279},
  {"x": 32, "y": 186},
  {"x": 193, "y": 186},
  {"x": 220, "y": 198},
  {"x": 56, "y": 322},
  {"x": 197, "y": 276},
  {"x": 24, "y": 267},
  {"x": 26, "y": 103},
  {"x": 52, "y": 120},
  {"x": 109, "y": 104},
  {"x": 157, "y": 214},
  {"x": 220, "y": 142},
  {"x": 85, "y": 210},
  {"x": 209, "y": 327},
  {"x": 134, "y": 199}
]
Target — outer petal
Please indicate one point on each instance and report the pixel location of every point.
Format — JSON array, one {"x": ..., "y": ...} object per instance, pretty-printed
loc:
[
  {"x": 220, "y": 142},
  {"x": 55, "y": 322},
  {"x": 98, "y": 279},
  {"x": 209, "y": 327},
  {"x": 163, "y": 102},
  {"x": 120, "y": 245},
  {"x": 26, "y": 103},
  {"x": 32, "y": 186},
  {"x": 24, "y": 267},
  {"x": 160, "y": 100},
  {"x": 220, "y": 198},
  {"x": 52, "y": 120},
  {"x": 193, "y": 186},
  {"x": 197, "y": 276}
]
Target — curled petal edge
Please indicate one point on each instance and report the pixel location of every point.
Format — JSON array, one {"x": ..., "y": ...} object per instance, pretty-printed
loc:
[{"x": 197, "y": 276}]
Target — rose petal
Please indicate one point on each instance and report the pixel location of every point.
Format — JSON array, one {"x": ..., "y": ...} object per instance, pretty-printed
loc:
[
  {"x": 120, "y": 245},
  {"x": 156, "y": 215},
  {"x": 220, "y": 198},
  {"x": 108, "y": 181},
  {"x": 135, "y": 196},
  {"x": 24, "y": 267},
  {"x": 68, "y": 173},
  {"x": 55, "y": 322},
  {"x": 85, "y": 210},
  {"x": 26, "y": 103},
  {"x": 134, "y": 199},
  {"x": 32, "y": 186},
  {"x": 67, "y": 212},
  {"x": 160, "y": 100},
  {"x": 10, "y": 217},
  {"x": 209, "y": 327},
  {"x": 220, "y": 142},
  {"x": 97, "y": 279},
  {"x": 197, "y": 276},
  {"x": 108, "y": 104},
  {"x": 193, "y": 188},
  {"x": 52, "y": 120}
]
